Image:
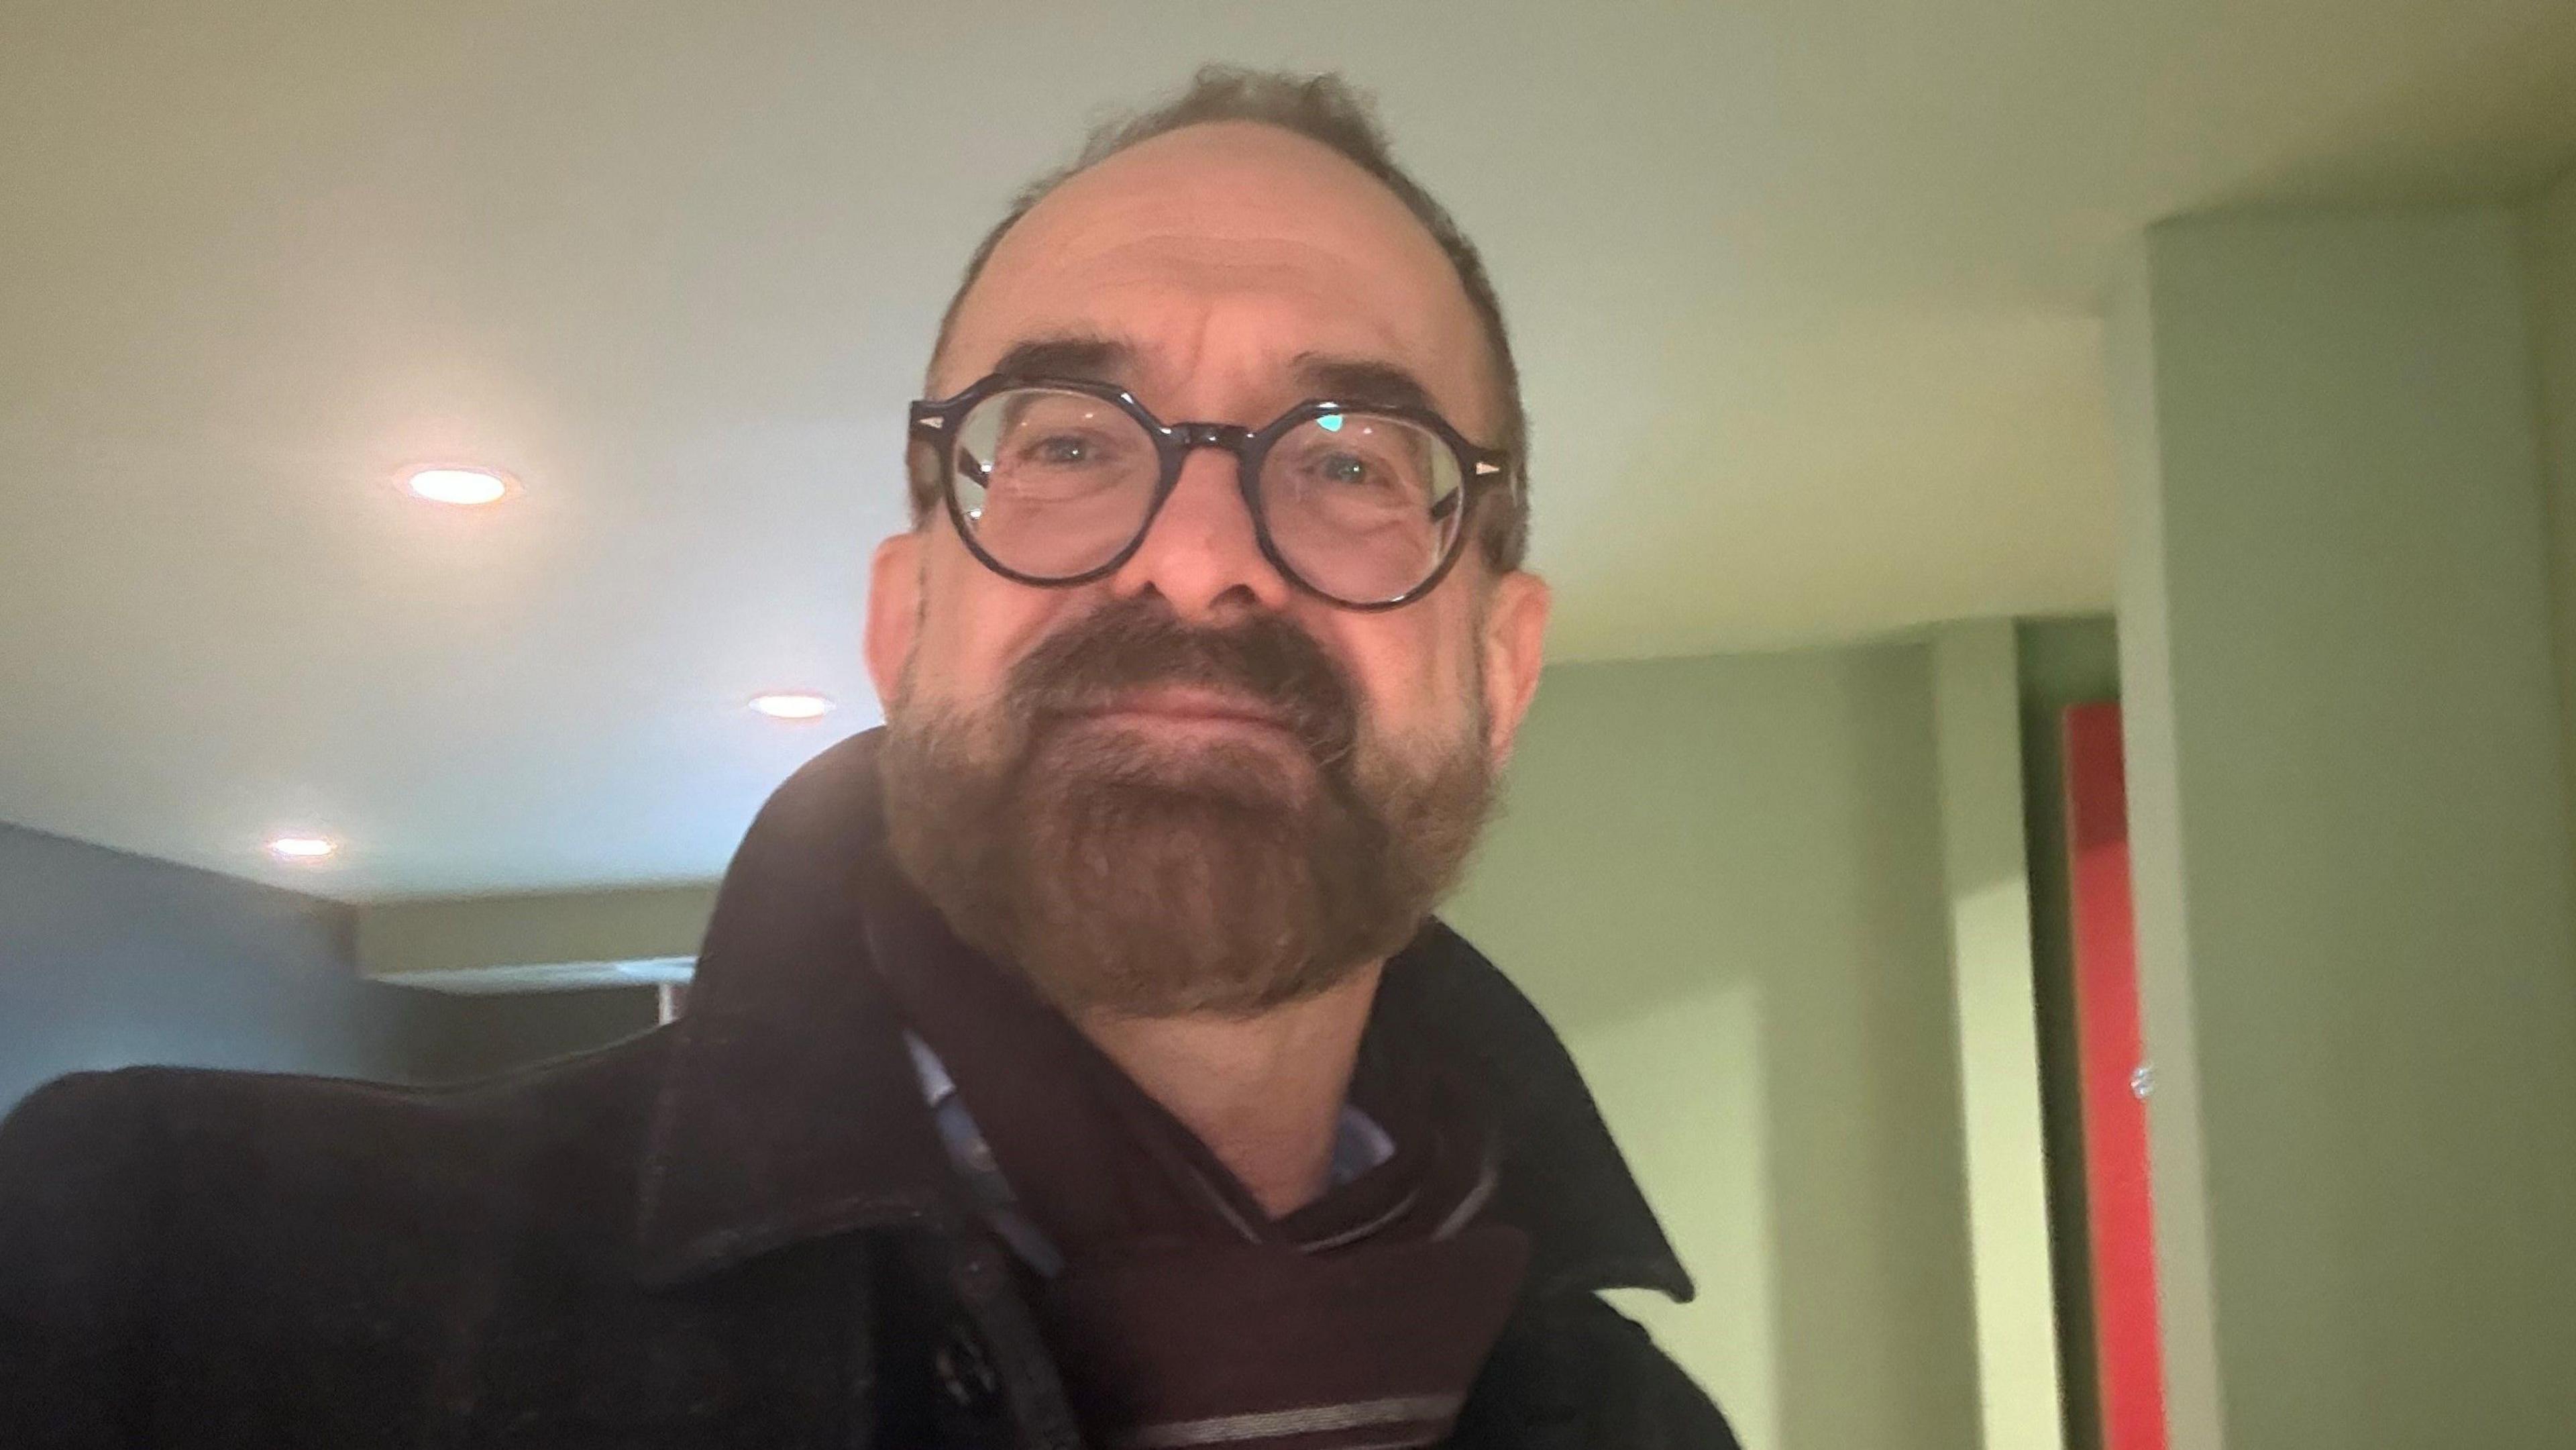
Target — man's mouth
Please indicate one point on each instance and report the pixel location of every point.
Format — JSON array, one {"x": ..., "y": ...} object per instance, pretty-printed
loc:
[{"x": 1190, "y": 709}]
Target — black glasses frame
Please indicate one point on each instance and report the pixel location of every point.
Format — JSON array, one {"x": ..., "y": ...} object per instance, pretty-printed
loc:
[{"x": 1480, "y": 471}]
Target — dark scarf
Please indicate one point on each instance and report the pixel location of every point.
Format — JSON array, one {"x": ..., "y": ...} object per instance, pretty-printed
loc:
[{"x": 1184, "y": 1315}]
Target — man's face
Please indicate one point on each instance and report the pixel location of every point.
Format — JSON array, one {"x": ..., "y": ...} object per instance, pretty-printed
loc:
[{"x": 1219, "y": 274}]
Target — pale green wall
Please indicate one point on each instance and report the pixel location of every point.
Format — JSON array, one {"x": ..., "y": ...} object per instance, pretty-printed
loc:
[
  {"x": 2062, "y": 662},
  {"x": 1976, "y": 729},
  {"x": 1722, "y": 878},
  {"x": 2549, "y": 237},
  {"x": 2357, "y": 949},
  {"x": 464, "y": 933}
]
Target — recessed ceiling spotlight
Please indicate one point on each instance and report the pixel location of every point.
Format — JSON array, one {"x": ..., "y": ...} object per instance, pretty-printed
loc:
[
  {"x": 463, "y": 486},
  {"x": 302, "y": 849},
  {"x": 792, "y": 705}
]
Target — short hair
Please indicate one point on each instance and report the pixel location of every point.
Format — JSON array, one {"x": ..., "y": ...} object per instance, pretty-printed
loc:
[{"x": 1326, "y": 109}]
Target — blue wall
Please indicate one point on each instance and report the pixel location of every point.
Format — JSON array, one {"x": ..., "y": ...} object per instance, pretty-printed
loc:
[{"x": 108, "y": 959}]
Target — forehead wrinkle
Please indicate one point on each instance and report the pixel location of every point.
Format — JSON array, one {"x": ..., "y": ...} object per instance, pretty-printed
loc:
[
  {"x": 1179, "y": 266},
  {"x": 1176, "y": 322}
]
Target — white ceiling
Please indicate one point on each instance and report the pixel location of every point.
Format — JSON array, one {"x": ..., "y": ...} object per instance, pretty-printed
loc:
[{"x": 1806, "y": 290}]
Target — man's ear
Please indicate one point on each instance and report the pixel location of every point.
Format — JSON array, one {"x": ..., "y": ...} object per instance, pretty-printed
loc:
[
  {"x": 1515, "y": 647},
  {"x": 894, "y": 610}
]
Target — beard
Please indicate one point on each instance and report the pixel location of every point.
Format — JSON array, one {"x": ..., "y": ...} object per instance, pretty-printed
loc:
[{"x": 1134, "y": 876}]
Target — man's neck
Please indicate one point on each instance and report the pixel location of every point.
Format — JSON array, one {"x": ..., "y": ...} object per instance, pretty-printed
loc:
[{"x": 1263, "y": 1093}]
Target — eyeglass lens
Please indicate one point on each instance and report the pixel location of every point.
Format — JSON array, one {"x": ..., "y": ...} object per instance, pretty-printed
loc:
[{"x": 1361, "y": 507}]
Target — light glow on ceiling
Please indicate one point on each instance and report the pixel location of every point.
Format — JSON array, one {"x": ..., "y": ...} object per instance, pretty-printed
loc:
[
  {"x": 302, "y": 849},
  {"x": 464, "y": 487},
  {"x": 792, "y": 705}
]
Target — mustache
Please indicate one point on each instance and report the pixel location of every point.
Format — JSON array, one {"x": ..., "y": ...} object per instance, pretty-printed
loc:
[{"x": 1138, "y": 643}]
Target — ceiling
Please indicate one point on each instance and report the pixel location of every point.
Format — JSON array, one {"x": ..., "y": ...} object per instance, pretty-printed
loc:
[{"x": 1806, "y": 291}]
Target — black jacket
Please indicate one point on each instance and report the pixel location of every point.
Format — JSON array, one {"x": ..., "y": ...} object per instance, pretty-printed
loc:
[{"x": 739, "y": 1230}]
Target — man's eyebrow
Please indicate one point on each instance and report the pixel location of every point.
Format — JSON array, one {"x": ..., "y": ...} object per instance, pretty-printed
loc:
[
  {"x": 1091, "y": 359},
  {"x": 1365, "y": 381}
]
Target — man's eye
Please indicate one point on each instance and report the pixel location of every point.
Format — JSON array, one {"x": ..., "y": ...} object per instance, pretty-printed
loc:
[
  {"x": 1343, "y": 468},
  {"x": 1060, "y": 450}
]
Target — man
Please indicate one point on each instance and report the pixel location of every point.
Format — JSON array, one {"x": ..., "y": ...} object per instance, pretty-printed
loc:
[{"x": 1073, "y": 1061}]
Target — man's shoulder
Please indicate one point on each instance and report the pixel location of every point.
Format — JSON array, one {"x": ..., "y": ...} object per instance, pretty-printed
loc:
[
  {"x": 1573, "y": 1370},
  {"x": 178, "y": 1239},
  {"x": 225, "y": 1103},
  {"x": 211, "y": 1145}
]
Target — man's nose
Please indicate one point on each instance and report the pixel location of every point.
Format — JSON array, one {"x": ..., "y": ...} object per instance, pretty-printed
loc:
[{"x": 1201, "y": 552}]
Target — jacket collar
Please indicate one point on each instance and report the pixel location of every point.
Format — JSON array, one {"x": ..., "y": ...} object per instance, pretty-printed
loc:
[{"x": 789, "y": 1108}]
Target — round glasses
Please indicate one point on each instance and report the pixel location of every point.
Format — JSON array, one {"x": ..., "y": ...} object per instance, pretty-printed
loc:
[{"x": 1055, "y": 481}]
